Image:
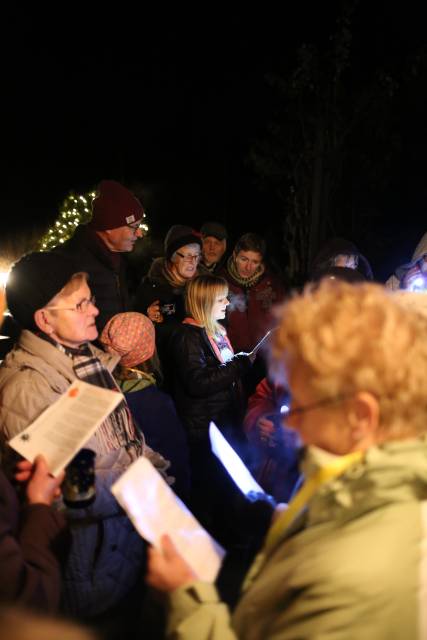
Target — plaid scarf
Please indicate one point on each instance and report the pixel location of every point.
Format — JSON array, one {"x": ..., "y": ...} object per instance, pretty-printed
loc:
[{"x": 118, "y": 429}]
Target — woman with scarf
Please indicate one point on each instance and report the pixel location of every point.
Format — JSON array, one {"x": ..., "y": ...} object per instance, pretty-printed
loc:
[
  {"x": 207, "y": 386},
  {"x": 253, "y": 291},
  {"x": 161, "y": 293},
  {"x": 54, "y": 307}
]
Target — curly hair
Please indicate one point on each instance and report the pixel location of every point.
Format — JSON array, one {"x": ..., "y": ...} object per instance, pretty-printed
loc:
[{"x": 359, "y": 338}]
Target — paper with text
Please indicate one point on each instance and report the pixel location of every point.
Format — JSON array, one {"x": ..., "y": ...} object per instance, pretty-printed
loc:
[
  {"x": 64, "y": 427},
  {"x": 155, "y": 509}
]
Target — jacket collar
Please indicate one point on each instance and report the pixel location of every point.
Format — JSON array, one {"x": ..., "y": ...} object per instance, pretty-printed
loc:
[{"x": 393, "y": 471}]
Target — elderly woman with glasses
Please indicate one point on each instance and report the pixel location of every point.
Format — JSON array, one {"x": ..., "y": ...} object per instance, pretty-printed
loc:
[
  {"x": 55, "y": 308},
  {"x": 347, "y": 558},
  {"x": 161, "y": 293}
]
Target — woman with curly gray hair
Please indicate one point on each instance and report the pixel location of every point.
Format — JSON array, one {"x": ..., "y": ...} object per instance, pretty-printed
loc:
[{"x": 347, "y": 558}]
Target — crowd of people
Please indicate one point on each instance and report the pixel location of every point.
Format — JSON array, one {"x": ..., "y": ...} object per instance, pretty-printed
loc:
[{"x": 328, "y": 415}]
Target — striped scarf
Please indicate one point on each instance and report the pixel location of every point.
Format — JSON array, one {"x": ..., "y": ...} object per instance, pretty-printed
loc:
[{"x": 118, "y": 429}]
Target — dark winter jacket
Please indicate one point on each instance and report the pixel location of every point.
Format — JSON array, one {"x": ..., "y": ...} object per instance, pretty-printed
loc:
[
  {"x": 155, "y": 415},
  {"x": 32, "y": 540},
  {"x": 154, "y": 287},
  {"x": 205, "y": 388},
  {"x": 106, "y": 269},
  {"x": 334, "y": 247}
]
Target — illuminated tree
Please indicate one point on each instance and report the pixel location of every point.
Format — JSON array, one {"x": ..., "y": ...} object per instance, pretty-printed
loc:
[{"x": 76, "y": 209}]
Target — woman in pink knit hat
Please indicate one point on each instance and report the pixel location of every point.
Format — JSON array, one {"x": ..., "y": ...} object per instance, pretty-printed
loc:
[{"x": 131, "y": 335}]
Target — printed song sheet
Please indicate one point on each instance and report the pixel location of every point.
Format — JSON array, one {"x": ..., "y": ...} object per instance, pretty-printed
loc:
[
  {"x": 154, "y": 510},
  {"x": 60, "y": 431}
]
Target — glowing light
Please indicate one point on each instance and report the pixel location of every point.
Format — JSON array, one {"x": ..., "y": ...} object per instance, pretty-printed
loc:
[
  {"x": 284, "y": 409},
  {"x": 4, "y": 275},
  {"x": 231, "y": 461},
  {"x": 417, "y": 284}
]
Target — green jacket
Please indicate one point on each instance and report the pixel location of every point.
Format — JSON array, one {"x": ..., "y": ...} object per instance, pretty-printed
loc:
[{"x": 353, "y": 565}]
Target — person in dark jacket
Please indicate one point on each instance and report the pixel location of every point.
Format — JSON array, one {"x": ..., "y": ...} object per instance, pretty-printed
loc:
[
  {"x": 131, "y": 336},
  {"x": 33, "y": 539},
  {"x": 96, "y": 248},
  {"x": 207, "y": 385},
  {"x": 161, "y": 293},
  {"x": 214, "y": 237},
  {"x": 274, "y": 446},
  {"x": 253, "y": 290},
  {"x": 340, "y": 253}
]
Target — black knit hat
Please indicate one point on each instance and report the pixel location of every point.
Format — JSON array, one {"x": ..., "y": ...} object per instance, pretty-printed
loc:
[
  {"x": 33, "y": 281},
  {"x": 338, "y": 273},
  {"x": 178, "y": 236},
  {"x": 214, "y": 229}
]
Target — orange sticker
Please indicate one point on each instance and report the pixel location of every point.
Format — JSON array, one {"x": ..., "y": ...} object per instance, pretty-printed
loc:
[{"x": 73, "y": 393}]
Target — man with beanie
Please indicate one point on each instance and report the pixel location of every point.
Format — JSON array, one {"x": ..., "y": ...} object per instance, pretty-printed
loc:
[
  {"x": 214, "y": 238},
  {"x": 96, "y": 248},
  {"x": 161, "y": 293}
]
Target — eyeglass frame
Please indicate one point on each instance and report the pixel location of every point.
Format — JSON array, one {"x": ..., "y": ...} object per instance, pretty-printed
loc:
[
  {"x": 86, "y": 302},
  {"x": 140, "y": 227},
  {"x": 313, "y": 405},
  {"x": 190, "y": 258}
]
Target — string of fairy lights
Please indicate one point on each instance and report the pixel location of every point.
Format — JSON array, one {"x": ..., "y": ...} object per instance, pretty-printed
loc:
[{"x": 75, "y": 210}]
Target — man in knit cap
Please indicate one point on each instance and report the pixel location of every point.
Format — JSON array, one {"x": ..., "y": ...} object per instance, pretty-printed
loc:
[
  {"x": 214, "y": 238},
  {"x": 97, "y": 248}
]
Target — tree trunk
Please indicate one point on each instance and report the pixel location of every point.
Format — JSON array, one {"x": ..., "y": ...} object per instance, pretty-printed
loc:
[{"x": 316, "y": 195}]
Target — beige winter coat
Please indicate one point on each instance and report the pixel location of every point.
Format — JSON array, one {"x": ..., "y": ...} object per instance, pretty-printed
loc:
[{"x": 106, "y": 553}]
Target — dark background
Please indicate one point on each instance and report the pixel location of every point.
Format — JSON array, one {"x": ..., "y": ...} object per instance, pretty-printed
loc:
[{"x": 171, "y": 104}]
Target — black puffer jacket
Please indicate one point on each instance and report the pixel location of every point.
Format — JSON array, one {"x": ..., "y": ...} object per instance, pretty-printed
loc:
[
  {"x": 205, "y": 389},
  {"x": 154, "y": 287},
  {"x": 107, "y": 278}
]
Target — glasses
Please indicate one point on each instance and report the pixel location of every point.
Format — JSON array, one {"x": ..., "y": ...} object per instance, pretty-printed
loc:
[
  {"x": 285, "y": 412},
  {"x": 136, "y": 227},
  {"x": 80, "y": 307},
  {"x": 189, "y": 257}
]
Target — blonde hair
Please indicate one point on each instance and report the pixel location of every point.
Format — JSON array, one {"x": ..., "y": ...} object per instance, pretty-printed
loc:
[
  {"x": 200, "y": 296},
  {"x": 359, "y": 338}
]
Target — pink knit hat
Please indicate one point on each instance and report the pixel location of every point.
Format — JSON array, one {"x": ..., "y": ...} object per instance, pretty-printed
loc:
[{"x": 131, "y": 336}]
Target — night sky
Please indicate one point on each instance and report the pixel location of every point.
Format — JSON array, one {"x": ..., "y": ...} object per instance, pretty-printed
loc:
[{"x": 171, "y": 103}]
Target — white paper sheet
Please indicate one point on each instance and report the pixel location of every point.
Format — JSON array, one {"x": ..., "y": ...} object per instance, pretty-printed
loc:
[
  {"x": 231, "y": 461},
  {"x": 62, "y": 430},
  {"x": 154, "y": 510}
]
